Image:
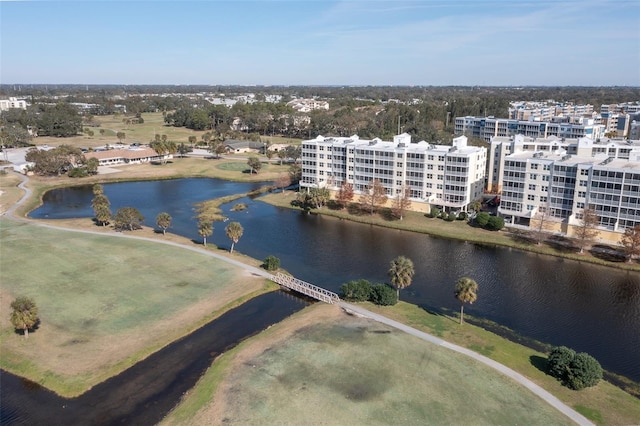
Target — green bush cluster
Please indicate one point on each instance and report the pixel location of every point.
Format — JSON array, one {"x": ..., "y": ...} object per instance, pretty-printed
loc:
[
  {"x": 363, "y": 291},
  {"x": 492, "y": 223},
  {"x": 271, "y": 263},
  {"x": 575, "y": 370}
]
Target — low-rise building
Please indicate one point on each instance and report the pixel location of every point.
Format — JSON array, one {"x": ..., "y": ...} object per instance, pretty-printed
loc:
[
  {"x": 7, "y": 104},
  {"x": 138, "y": 155}
]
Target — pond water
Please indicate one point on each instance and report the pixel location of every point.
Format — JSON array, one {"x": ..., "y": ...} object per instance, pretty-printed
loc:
[
  {"x": 146, "y": 392},
  {"x": 587, "y": 307}
]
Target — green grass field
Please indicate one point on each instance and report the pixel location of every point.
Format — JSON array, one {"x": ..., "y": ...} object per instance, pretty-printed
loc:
[
  {"x": 350, "y": 370},
  {"x": 104, "y": 302},
  {"x": 142, "y": 133},
  {"x": 359, "y": 372}
]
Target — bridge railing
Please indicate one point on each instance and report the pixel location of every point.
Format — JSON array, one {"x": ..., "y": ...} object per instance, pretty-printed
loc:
[{"x": 305, "y": 288}]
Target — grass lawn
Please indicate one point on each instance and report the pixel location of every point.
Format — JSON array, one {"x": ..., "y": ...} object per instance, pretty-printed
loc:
[
  {"x": 9, "y": 191},
  {"x": 104, "y": 303},
  {"x": 603, "y": 404},
  {"x": 325, "y": 367},
  {"x": 142, "y": 133}
]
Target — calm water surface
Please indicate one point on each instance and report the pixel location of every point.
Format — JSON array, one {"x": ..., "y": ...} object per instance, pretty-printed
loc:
[{"x": 589, "y": 308}]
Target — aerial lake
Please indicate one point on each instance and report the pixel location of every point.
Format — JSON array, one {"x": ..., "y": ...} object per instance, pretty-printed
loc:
[{"x": 590, "y": 308}]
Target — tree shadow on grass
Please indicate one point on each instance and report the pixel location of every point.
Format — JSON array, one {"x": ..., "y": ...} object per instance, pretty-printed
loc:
[
  {"x": 521, "y": 237},
  {"x": 387, "y": 214},
  {"x": 607, "y": 253},
  {"x": 354, "y": 209},
  {"x": 448, "y": 314},
  {"x": 32, "y": 329},
  {"x": 539, "y": 362}
]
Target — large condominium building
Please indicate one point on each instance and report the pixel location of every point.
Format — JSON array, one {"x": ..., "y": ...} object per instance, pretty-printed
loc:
[
  {"x": 488, "y": 127},
  {"x": 559, "y": 185},
  {"x": 501, "y": 147},
  {"x": 449, "y": 177}
]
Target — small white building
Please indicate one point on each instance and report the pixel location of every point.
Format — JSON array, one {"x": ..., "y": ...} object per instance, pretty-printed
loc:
[
  {"x": 7, "y": 104},
  {"x": 137, "y": 155}
]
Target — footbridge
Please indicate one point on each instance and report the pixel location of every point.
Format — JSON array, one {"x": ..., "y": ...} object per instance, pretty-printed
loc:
[{"x": 303, "y": 287}]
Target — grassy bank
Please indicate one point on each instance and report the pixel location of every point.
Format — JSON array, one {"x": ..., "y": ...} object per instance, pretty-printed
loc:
[
  {"x": 105, "y": 303},
  {"x": 457, "y": 230}
]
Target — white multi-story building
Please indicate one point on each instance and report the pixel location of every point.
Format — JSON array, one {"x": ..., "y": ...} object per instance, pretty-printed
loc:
[
  {"x": 449, "y": 177},
  {"x": 546, "y": 111},
  {"x": 6, "y": 104},
  {"x": 488, "y": 127},
  {"x": 562, "y": 185},
  {"x": 623, "y": 108},
  {"x": 501, "y": 147},
  {"x": 308, "y": 105}
]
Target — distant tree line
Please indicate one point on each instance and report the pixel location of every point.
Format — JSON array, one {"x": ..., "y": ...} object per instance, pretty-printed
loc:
[{"x": 426, "y": 113}]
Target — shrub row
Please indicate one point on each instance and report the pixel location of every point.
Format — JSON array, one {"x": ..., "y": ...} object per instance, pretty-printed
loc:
[
  {"x": 449, "y": 217},
  {"x": 363, "y": 291},
  {"x": 492, "y": 223}
]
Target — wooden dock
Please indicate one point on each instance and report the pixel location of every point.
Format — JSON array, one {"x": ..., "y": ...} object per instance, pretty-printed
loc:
[{"x": 305, "y": 288}]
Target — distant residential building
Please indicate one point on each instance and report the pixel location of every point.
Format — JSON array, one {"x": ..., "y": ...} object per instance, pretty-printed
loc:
[
  {"x": 240, "y": 147},
  {"x": 7, "y": 104},
  {"x": 488, "y": 127},
  {"x": 138, "y": 155},
  {"x": 308, "y": 105},
  {"x": 546, "y": 111},
  {"x": 446, "y": 176},
  {"x": 622, "y": 108}
]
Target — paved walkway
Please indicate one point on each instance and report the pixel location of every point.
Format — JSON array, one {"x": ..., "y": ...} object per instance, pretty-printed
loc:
[
  {"x": 555, "y": 402},
  {"x": 552, "y": 400}
]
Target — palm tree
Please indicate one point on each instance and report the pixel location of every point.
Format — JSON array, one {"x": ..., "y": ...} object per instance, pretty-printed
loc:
[
  {"x": 163, "y": 220},
  {"x": 465, "y": 292},
  {"x": 205, "y": 229},
  {"x": 234, "y": 231},
  {"x": 401, "y": 273},
  {"x": 24, "y": 314}
]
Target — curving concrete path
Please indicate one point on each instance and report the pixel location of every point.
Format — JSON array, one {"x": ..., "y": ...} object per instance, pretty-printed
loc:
[
  {"x": 550, "y": 399},
  {"x": 546, "y": 396}
]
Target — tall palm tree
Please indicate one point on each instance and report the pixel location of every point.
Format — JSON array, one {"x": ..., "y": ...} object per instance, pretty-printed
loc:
[
  {"x": 205, "y": 229},
  {"x": 234, "y": 231},
  {"x": 465, "y": 292},
  {"x": 401, "y": 273},
  {"x": 24, "y": 314}
]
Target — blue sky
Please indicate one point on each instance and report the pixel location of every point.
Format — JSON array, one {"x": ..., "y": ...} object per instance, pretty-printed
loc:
[{"x": 304, "y": 42}]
